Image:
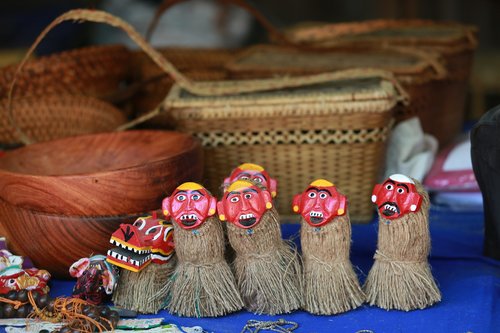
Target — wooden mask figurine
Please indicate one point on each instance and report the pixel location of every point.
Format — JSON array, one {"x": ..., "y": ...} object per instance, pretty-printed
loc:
[
  {"x": 255, "y": 173},
  {"x": 267, "y": 269},
  {"x": 203, "y": 284},
  {"x": 330, "y": 283},
  {"x": 401, "y": 277},
  {"x": 14, "y": 277},
  {"x": 145, "y": 251},
  {"x": 97, "y": 279}
]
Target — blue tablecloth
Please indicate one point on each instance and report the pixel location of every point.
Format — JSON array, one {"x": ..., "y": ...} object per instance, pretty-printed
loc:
[{"x": 469, "y": 282}]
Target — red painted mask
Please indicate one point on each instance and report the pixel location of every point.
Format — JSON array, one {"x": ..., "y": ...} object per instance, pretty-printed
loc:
[
  {"x": 24, "y": 279},
  {"x": 319, "y": 203},
  {"x": 254, "y": 172},
  {"x": 190, "y": 205},
  {"x": 244, "y": 204},
  {"x": 396, "y": 197},
  {"x": 147, "y": 240},
  {"x": 14, "y": 277}
]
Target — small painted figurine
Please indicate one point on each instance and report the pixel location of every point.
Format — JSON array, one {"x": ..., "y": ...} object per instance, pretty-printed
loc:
[
  {"x": 14, "y": 277},
  {"x": 145, "y": 251},
  {"x": 401, "y": 277},
  {"x": 96, "y": 278},
  {"x": 203, "y": 284},
  {"x": 267, "y": 269},
  {"x": 330, "y": 283},
  {"x": 253, "y": 172}
]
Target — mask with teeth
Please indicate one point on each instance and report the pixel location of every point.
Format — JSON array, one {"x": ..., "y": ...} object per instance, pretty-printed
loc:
[
  {"x": 147, "y": 240},
  {"x": 255, "y": 173},
  {"x": 244, "y": 203},
  {"x": 190, "y": 205},
  {"x": 319, "y": 203},
  {"x": 396, "y": 197}
]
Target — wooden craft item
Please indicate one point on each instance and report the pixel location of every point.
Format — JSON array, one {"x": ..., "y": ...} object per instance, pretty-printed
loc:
[
  {"x": 14, "y": 277},
  {"x": 203, "y": 285},
  {"x": 401, "y": 277},
  {"x": 330, "y": 283},
  {"x": 145, "y": 252},
  {"x": 254, "y": 172},
  {"x": 96, "y": 279},
  {"x": 267, "y": 269}
]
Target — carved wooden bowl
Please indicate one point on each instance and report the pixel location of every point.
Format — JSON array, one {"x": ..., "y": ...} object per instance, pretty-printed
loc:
[
  {"x": 54, "y": 242},
  {"x": 99, "y": 174},
  {"x": 61, "y": 200}
]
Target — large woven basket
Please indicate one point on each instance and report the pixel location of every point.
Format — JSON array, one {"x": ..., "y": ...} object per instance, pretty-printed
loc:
[
  {"x": 56, "y": 96},
  {"x": 56, "y": 116},
  {"x": 420, "y": 72},
  {"x": 455, "y": 42},
  {"x": 93, "y": 71}
]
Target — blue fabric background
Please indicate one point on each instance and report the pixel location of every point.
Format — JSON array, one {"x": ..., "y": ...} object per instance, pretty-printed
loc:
[{"x": 469, "y": 282}]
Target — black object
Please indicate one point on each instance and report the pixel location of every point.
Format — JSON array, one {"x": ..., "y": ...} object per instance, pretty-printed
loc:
[{"x": 485, "y": 151}]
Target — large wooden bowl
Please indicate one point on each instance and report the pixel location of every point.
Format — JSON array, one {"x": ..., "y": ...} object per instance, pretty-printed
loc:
[
  {"x": 54, "y": 242},
  {"x": 99, "y": 174}
]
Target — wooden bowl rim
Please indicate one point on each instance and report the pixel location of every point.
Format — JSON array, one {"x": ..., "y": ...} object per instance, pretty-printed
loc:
[{"x": 195, "y": 144}]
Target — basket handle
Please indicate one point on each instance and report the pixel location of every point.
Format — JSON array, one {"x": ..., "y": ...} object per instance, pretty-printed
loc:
[
  {"x": 196, "y": 88},
  {"x": 274, "y": 33}
]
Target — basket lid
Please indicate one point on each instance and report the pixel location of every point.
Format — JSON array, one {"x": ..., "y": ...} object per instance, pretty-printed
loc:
[
  {"x": 372, "y": 94},
  {"x": 275, "y": 60},
  {"x": 423, "y": 33}
]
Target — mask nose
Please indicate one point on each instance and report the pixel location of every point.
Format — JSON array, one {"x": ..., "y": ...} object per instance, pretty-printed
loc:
[{"x": 244, "y": 204}]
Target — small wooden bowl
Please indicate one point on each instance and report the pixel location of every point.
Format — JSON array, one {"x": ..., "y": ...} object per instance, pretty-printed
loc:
[
  {"x": 99, "y": 174},
  {"x": 54, "y": 242}
]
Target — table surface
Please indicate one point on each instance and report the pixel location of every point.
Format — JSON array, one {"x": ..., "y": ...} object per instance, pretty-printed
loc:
[{"x": 469, "y": 282}]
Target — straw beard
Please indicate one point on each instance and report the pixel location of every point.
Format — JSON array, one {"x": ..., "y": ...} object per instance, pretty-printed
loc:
[
  {"x": 203, "y": 284},
  {"x": 267, "y": 270},
  {"x": 138, "y": 291},
  {"x": 330, "y": 283},
  {"x": 401, "y": 277}
]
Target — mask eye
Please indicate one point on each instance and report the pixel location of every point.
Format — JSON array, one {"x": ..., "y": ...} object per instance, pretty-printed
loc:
[
  {"x": 244, "y": 178},
  {"x": 401, "y": 191},
  {"x": 248, "y": 196},
  {"x": 139, "y": 224},
  {"x": 152, "y": 230},
  {"x": 196, "y": 197},
  {"x": 258, "y": 179},
  {"x": 389, "y": 187},
  {"x": 322, "y": 195},
  {"x": 312, "y": 195},
  {"x": 234, "y": 199},
  {"x": 181, "y": 197}
]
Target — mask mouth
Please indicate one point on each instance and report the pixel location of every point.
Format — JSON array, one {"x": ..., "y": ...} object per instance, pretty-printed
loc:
[
  {"x": 189, "y": 220},
  {"x": 128, "y": 257},
  {"x": 389, "y": 209},
  {"x": 247, "y": 220},
  {"x": 316, "y": 217}
]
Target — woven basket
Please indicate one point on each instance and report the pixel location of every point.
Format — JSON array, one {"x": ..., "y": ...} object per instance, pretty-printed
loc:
[
  {"x": 420, "y": 73},
  {"x": 93, "y": 71},
  {"x": 54, "y": 96},
  {"x": 57, "y": 116},
  {"x": 455, "y": 42}
]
